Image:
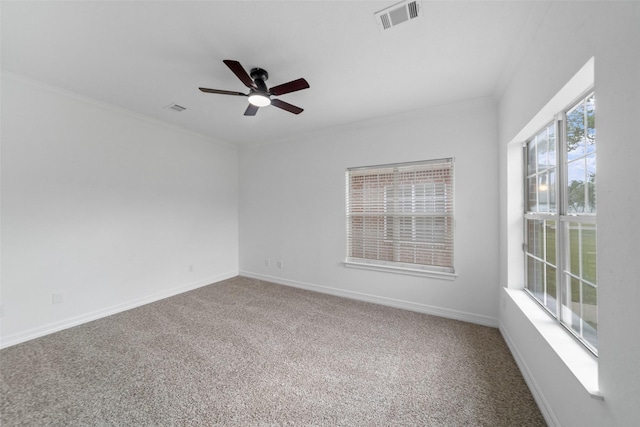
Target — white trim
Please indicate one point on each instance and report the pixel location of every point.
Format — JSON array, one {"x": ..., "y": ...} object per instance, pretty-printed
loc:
[
  {"x": 401, "y": 270},
  {"x": 108, "y": 311},
  {"x": 580, "y": 361},
  {"x": 580, "y": 84},
  {"x": 390, "y": 302}
]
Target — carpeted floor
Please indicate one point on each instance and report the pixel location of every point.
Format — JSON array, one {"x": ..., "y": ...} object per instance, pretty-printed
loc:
[{"x": 249, "y": 353}]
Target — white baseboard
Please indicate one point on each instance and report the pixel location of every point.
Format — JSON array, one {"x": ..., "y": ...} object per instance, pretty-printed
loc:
[
  {"x": 108, "y": 311},
  {"x": 406, "y": 305},
  {"x": 544, "y": 406}
]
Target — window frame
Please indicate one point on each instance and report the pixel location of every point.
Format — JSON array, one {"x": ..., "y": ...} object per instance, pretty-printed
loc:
[
  {"x": 563, "y": 218},
  {"x": 399, "y": 202}
]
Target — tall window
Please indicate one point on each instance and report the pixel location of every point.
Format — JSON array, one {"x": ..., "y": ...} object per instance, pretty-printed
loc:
[
  {"x": 560, "y": 220},
  {"x": 401, "y": 215}
]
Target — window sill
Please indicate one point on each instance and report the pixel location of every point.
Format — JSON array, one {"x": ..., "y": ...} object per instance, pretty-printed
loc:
[
  {"x": 401, "y": 270},
  {"x": 580, "y": 361}
]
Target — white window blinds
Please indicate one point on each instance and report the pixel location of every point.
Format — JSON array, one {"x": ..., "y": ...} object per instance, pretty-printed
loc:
[{"x": 401, "y": 215}]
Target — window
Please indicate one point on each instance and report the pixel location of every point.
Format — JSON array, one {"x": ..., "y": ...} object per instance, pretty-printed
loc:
[
  {"x": 400, "y": 216},
  {"x": 560, "y": 220}
]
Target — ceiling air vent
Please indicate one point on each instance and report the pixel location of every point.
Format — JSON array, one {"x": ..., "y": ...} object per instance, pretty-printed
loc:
[
  {"x": 176, "y": 107},
  {"x": 397, "y": 14}
]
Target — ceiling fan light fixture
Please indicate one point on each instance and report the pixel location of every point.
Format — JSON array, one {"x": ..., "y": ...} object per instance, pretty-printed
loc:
[
  {"x": 259, "y": 94},
  {"x": 259, "y": 100}
]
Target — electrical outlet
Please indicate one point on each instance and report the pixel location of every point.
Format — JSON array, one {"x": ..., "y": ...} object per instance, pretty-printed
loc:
[
  {"x": 57, "y": 298},
  {"x": 267, "y": 263},
  {"x": 279, "y": 264}
]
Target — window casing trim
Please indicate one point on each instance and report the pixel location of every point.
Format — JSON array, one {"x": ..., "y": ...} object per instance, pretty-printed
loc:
[
  {"x": 431, "y": 272},
  {"x": 417, "y": 216},
  {"x": 573, "y": 358},
  {"x": 561, "y": 217},
  {"x": 581, "y": 362}
]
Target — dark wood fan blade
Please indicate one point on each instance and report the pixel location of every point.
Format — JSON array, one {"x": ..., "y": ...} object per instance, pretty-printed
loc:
[
  {"x": 286, "y": 106},
  {"x": 251, "y": 110},
  {"x": 240, "y": 72},
  {"x": 289, "y": 87},
  {"x": 221, "y": 92}
]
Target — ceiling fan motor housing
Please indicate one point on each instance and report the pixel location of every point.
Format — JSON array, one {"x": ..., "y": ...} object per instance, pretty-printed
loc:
[{"x": 260, "y": 76}]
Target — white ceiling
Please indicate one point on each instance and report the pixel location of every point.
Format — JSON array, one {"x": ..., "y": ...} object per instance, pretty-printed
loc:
[{"x": 143, "y": 56}]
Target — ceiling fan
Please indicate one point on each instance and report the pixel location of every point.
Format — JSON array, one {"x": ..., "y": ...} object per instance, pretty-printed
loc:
[{"x": 259, "y": 95}]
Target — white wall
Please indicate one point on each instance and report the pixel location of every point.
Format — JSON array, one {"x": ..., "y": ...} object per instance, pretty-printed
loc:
[
  {"x": 105, "y": 207},
  {"x": 572, "y": 33},
  {"x": 292, "y": 208}
]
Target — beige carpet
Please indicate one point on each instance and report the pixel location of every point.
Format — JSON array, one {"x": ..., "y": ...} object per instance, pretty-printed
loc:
[{"x": 249, "y": 353}]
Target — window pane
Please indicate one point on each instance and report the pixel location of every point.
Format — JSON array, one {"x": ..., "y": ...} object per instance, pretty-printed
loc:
[
  {"x": 532, "y": 191},
  {"x": 542, "y": 148},
  {"x": 551, "y": 289},
  {"x": 580, "y": 312},
  {"x": 356, "y": 236},
  {"x": 551, "y": 129},
  {"x": 590, "y": 314},
  {"x": 550, "y": 242},
  {"x": 574, "y": 305},
  {"x": 543, "y": 192},
  {"x": 576, "y": 189},
  {"x": 531, "y": 157},
  {"x": 535, "y": 238},
  {"x": 590, "y": 107},
  {"x": 535, "y": 278},
  {"x": 552, "y": 191},
  {"x": 591, "y": 183},
  {"x": 588, "y": 246},
  {"x": 373, "y": 246},
  {"x": 581, "y": 251},
  {"x": 405, "y": 198},
  {"x": 573, "y": 248},
  {"x": 575, "y": 132},
  {"x": 546, "y": 192}
]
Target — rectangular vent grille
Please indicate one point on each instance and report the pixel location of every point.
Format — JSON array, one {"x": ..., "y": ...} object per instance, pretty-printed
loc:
[
  {"x": 176, "y": 107},
  {"x": 397, "y": 14},
  {"x": 413, "y": 10},
  {"x": 385, "y": 21}
]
